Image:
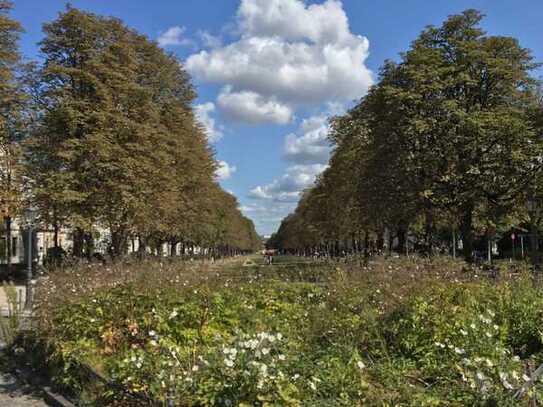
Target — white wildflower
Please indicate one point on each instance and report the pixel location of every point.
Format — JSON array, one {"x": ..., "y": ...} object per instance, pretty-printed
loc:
[
  {"x": 485, "y": 320},
  {"x": 505, "y": 383},
  {"x": 230, "y": 351}
]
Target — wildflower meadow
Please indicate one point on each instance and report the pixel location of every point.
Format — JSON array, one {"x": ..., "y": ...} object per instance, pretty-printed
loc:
[{"x": 398, "y": 332}]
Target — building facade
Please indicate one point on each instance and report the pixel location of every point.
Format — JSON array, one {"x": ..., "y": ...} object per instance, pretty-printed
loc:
[{"x": 41, "y": 240}]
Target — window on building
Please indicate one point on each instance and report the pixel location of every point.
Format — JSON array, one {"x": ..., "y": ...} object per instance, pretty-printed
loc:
[{"x": 14, "y": 246}]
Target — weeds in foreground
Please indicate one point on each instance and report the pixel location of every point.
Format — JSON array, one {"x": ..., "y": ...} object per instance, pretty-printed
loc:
[
  {"x": 10, "y": 317},
  {"x": 398, "y": 332}
]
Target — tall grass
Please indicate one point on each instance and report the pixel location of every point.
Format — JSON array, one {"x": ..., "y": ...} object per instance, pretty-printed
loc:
[{"x": 11, "y": 322}]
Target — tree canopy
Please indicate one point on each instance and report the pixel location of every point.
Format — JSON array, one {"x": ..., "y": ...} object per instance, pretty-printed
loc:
[
  {"x": 12, "y": 102},
  {"x": 115, "y": 144},
  {"x": 445, "y": 139}
]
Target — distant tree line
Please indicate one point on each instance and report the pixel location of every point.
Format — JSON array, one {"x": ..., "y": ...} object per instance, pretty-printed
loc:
[
  {"x": 102, "y": 135},
  {"x": 447, "y": 144}
]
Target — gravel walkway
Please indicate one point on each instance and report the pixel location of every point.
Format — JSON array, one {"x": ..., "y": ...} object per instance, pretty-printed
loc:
[{"x": 15, "y": 394}]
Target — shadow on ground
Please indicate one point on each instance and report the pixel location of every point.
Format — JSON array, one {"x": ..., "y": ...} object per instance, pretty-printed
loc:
[{"x": 13, "y": 393}]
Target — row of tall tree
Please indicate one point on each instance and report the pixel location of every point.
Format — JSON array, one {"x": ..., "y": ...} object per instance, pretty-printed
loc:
[
  {"x": 105, "y": 138},
  {"x": 448, "y": 143}
]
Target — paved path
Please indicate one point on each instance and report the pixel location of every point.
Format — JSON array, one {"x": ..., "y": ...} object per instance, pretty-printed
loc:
[{"x": 15, "y": 394}]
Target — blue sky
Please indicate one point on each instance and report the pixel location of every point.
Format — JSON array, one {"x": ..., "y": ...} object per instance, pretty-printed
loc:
[{"x": 269, "y": 72}]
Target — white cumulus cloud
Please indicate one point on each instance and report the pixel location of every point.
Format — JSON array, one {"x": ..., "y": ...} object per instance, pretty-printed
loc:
[
  {"x": 294, "y": 20},
  {"x": 204, "y": 116},
  {"x": 288, "y": 187},
  {"x": 250, "y": 107},
  {"x": 209, "y": 40},
  {"x": 225, "y": 170},
  {"x": 311, "y": 145},
  {"x": 173, "y": 36},
  {"x": 288, "y": 53}
]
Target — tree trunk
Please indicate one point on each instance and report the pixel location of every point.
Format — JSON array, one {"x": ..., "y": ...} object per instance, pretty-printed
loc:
[
  {"x": 466, "y": 227},
  {"x": 380, "y": 241},
  {"x": 55, "y": 234},
  {"x": 489, "y": 247},
  {"x": 159, "y": 250},
  {"x": 173, "y": 247},
  {"x": 429, "y": 233},
  {"x": 119, "y": 241},
  {"x": 390, "y": 242},
  {"x": 78, "y": 242},
  {"x": 366, "y": 246},
  {"x": 534, "y": 243},
  {"x": 142, "y": 246},
  {"x": 89, "y": 245},
  {"x": 402, "y": 241},
  {"x": 454, "y": 243},
  {"x": 8, "y": 244}
]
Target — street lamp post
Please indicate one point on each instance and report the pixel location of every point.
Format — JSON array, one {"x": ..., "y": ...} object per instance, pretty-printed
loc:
[
  {"x": 6, "y": 217},
  {"x": 30, "y": 217}
]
